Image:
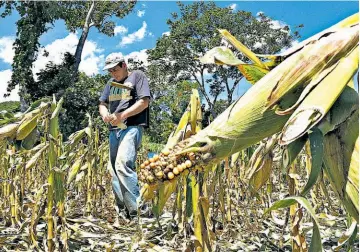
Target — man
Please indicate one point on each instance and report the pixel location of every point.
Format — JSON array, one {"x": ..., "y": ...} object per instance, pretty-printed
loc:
[{"x": 125, "y": 100}]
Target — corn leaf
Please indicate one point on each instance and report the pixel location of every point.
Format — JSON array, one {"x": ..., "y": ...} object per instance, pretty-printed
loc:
[
  {"x": 29, "y": 141},
  {"x": 75, "y": 168},
  {"x": 220, "y": 55},
  {"x": 316, "y": 244},
  {"x": 315, "y": 105},
  {"x": 252, "y": 73},
  {"x": 292, "y": 150},
  {"x": 317, "y": 152},
  {"x": 27, "y": 127},
  {"x": 165, "y": 191},
  {"x": 325, "y": 53},
  {"x": 242, "y": 48},
  {"x": 347, "y": 237}
]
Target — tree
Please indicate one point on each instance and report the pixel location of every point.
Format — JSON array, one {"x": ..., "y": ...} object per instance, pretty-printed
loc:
[
  {"x": 81, "y": 98},
  {"x": 53, "y": 79},
  {"x": 169, "y": 98},
  {"x": 34, "y": 17},
  {"x": 194, "y": 31},
  {"x": 37, "y": 17},
  {"x": 87, "y": 14}
]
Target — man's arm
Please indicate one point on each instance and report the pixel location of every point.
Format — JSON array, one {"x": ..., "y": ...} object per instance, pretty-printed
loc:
[
  {"x": 104, "y": 112},
  {"x": 135, "y": 109}
]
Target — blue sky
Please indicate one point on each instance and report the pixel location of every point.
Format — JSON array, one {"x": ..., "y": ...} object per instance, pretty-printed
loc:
[{"x": 139, "y": 31}]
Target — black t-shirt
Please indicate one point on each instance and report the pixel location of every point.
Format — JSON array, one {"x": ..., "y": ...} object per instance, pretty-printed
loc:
[{"x": 125, "y": 94}]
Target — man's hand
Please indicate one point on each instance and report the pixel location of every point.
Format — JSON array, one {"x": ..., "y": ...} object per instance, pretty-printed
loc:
[
  {"x": 106, "y": 118},
  {"x": 117, "y": 118}
]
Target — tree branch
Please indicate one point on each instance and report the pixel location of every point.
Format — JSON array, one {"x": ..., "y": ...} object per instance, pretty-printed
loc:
[{"x": 89, "y": 15}]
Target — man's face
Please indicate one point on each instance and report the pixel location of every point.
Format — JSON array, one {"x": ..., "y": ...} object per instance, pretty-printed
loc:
[{"x": 118, "y": 73}]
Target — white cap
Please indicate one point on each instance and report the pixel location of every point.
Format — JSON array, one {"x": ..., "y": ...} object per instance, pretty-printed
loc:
[{"x": 112, "y": 60}]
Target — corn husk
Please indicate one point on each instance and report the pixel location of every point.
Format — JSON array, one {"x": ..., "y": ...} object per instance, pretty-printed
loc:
[{"x": 253, "y": 117}]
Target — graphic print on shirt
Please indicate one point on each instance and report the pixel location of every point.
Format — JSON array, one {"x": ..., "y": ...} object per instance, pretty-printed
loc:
[{"x": 117, "y": 94}]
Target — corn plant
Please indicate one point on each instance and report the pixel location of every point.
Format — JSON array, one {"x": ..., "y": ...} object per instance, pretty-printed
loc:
[{"x": 287, "y": 99}]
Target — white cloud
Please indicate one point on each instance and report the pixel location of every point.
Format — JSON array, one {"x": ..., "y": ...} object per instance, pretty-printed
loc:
[
  {"x": 136, "y": 36},
  {"x": 6, "y": 50},
  {"x": 138, "y": 55},
  {"x": 277, "y": 24},
  {"x": 56, "y": 51},
  {"x": 120, "y": 30},
  {"x": 233, "y": 6},
  {"x": 293, "y": 43},
  {"x": 90, "y": 66},
  {"x": 90, "y": 58},
  {"x": 140, "y": 13},
  {"x": 166, "y": 33},
  {"x": 5, "y": 76}
]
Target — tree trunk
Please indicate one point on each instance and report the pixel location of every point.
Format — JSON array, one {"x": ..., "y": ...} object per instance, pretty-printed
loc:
[
  {"x": 24, "y": 104},
  {"x": 229, "y": 99},
  {"x": 83, "y": 37}
]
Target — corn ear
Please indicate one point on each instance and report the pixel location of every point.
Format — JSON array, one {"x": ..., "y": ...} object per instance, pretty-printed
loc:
[
  {"x": 31, "y": 163},
  {"x": 249, "y": 120},
  {"x": 27, "y": 127},
  {"x": 74, "y": 170},
  {"x": 261, "y": 174}
]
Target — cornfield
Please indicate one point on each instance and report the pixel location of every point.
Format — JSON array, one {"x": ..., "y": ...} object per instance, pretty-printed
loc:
[{"x": 290, "y": 142}]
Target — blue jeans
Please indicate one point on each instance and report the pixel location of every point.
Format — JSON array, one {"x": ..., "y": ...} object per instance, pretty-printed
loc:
[{"x": 123, "y": 150}]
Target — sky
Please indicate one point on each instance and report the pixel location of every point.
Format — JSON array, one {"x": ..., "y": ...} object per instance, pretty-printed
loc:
[{"x": 140, "y": 30}]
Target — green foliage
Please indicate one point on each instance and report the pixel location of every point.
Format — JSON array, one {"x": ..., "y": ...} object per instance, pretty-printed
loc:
[
  {"x": 53, "y": 79},
  {"x": 168, "y": 105},
  {"x": 169, "y": 99},
  {"x": 75, "y": 14},
  {"x": 79, "y": 99},
  {"x": 33, "y": 22},
  {"x": 148, "y": 146},
  {"x": 10, "y": 106},
  {"x": 194, "y": 31},
  {"x": 36, "y": 17}
]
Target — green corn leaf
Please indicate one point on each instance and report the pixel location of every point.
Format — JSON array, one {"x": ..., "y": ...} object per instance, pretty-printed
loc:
[
  {"x": 252, "y": 73},
  {"x": 317, "y": 152},
  {"x": 292, "y": 150},
  {"x": 29, "y": 141}
]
